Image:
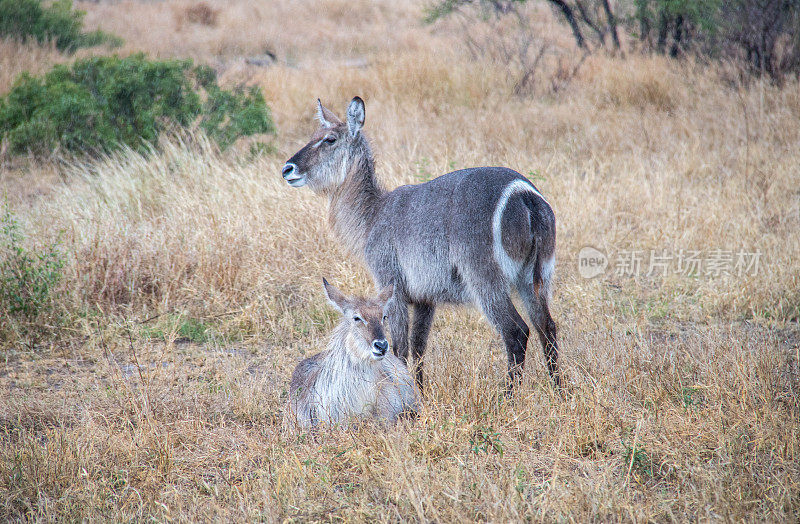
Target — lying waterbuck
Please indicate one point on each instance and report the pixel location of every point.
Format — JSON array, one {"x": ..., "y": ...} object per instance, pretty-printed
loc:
[
  {"x": 470, "y": 236},
  {"x": 354, "y": 377}
]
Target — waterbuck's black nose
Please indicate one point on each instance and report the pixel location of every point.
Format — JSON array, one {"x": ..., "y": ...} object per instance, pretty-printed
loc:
[
  {"x": 380, "y": 345},
  {"x": 287, "y": 169}
]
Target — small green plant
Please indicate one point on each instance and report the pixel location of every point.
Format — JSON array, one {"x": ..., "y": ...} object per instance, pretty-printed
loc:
[
  {"x": 534, "y": 176},
  {"x": 522, "y": 479},
  {"x": 185, "y": 329},
  {"x": 691, "y": 396},
  {"x": 28, "y": 278},
  {"x": 56, "y": 22},
  {"x": 485, "y": 440},
  {"x": 424, "y": 170},
  {"x": 101, "y": 103},
  {"x": 637, "y": 460},
  {"x": 193, "y": 330}
]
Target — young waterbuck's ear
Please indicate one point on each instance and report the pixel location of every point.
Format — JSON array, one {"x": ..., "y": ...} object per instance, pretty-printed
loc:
[
  {"x": 386, "y": 294},
  {"x": 355, "y": 116},
  {"x": 325, "y": 116},
  {"x": 335, "y": 297}
]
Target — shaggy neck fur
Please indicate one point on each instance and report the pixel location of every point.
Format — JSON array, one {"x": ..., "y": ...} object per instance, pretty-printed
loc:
[
  {"x": 347, "y": 381},
  {"x": 339, "y": 348},
  {"x": 355, "y": 203}
]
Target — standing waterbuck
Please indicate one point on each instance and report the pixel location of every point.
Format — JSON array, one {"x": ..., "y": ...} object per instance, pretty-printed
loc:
[
  {"x": 470, "y": 236},
  {"x": 354, "y": 377}
]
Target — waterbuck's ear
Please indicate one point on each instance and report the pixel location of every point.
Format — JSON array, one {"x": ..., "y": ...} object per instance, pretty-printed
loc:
[
  {"x": 335, "y": 297},
  {"x": 325, "y": 116},
  {"x": 386, "y": 294},
  {"x": 355, "y": 116}
]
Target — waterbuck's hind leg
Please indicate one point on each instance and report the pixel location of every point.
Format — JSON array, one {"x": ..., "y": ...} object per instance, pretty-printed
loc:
[
  {"x": 398, "y": 327},
  {"x": 515, "y": 334},
  {"x": 546, "y": 328},
  {"x": 421, "y": 327},
  {"x": 539, "y": 311},
  {"x": 493, "y": 299}
]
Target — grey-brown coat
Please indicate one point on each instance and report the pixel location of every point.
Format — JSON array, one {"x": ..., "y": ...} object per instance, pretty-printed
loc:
[{"x": 470, "y": 236}]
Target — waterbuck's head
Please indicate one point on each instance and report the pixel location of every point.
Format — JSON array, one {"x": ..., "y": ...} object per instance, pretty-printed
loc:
[
  {"x": 323, "y": 163},
  {"x": 364, "y": 318}
]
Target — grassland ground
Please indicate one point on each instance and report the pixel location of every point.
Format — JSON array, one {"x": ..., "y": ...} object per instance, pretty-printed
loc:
[{"x": 156, "y": 384}]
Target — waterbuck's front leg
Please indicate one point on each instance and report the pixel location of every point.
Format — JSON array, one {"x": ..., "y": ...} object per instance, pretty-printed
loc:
[
  {"x": 398, "y": 327},
  {"x": 423, "y": 319}
]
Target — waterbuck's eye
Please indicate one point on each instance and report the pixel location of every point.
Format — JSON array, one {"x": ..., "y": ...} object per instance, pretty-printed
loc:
[
  {"x": 330, "y": 139},
  {"x": 356, "y": 318},
  {"x": 385, "y": 318}
]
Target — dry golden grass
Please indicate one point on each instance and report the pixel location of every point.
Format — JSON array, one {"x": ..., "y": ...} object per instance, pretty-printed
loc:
[
  {"x": 295, "y": 31},
  {"x": 16, "y": 58},
  {"x": 200, "y": 13},
  {"x": 192, "y": 288}
]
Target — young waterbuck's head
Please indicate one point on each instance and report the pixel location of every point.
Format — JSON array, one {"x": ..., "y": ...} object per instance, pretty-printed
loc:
[
  {"x": 364, "y": 319},
  {"x": 323, "y": 163}
]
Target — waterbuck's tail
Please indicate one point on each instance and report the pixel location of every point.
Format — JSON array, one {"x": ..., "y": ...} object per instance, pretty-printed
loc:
[
  {"x": 539, "y": 263},
  {"x": 543, "y": 275},
  {"x": 538, "y": 281},
  {"x": 542, "y": 255}
]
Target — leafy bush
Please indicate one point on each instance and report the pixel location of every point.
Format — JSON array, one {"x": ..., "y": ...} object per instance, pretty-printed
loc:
[
  {"x": 100, "y": 103},
  {"x": 57, "y": 22},
  {"x": 28, "y": 279}
]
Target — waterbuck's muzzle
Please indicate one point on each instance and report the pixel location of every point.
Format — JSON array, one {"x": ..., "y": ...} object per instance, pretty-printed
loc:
[
  {"x": 292, "y": 175},
  {"x": 379, "y": 348}
]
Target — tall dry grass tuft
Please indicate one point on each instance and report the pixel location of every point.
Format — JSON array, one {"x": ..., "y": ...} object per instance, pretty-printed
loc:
[
  {"x": 192, "y": 231},
  {"x": 639, "y": 83},
  {"x": 192, "y": 286},
  {"x": 16, "y": 58},
  {"x": 200, "y": 13}
]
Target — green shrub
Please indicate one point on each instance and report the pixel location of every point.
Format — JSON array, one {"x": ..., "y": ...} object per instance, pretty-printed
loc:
[
  {"x": 28, "y": 279},
  {"x": 100, "y": 103},
  {"x": 57, "y": 22},
  {"x": 227, "y": 115}
]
